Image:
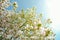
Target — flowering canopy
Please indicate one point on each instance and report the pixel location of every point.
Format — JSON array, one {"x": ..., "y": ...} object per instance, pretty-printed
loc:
[{"x": 23, "y": 25}]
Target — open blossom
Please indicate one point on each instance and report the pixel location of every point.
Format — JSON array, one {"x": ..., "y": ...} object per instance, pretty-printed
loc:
[
  {"x": 9, "y": 36},
  {"x": 34, "y": 37},
  {"x": 24, "y": 25},
  {"x": 19, "y": 32}
]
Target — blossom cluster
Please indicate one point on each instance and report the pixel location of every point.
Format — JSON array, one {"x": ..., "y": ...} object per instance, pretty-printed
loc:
[{"x": 24, "y": 25}]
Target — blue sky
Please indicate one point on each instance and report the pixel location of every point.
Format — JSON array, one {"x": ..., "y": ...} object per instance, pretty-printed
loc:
[
  {"x": 49, "y": 8},
  {"x": 29, "y": 4}
]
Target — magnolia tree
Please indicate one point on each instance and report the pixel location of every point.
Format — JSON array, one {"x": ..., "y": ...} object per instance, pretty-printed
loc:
[{"x": 23, "y": 25}]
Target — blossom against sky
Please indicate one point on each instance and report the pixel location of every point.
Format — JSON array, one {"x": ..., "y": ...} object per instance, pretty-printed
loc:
[
  {"x": 50, "y": 7},
  {"x": 29, "y": 4}
]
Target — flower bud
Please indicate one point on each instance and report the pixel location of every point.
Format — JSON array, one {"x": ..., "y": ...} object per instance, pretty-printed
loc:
[{"x": 15, "y": 4}]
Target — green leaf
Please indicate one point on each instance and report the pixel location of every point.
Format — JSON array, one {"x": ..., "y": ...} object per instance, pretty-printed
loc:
[{"x": 39, "y": 25}]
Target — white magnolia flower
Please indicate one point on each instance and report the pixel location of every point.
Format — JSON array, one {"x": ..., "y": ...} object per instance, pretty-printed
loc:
[
  {"x": 1, "y": 32},
  {"x": 19, "y": 32},
  {"x": 35, "y": 23},
  {"x": 27, "y": 26},
  {"x": 34, "y": 37},
  {"x": 39, "y": 21},
  {"x": 42, "y": 29},
  {"x": 31, "y": 27},
  {"x": 9, "y": 36},
  {"x": 35, "y": 27}
]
